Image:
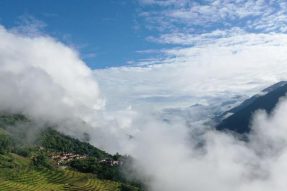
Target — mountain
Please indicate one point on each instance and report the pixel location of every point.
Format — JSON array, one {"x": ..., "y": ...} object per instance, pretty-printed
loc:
[
  {"x": 45, "y": 160},
  {"x": 238, "y": 119},
  {"x": 55, "y": 141}
]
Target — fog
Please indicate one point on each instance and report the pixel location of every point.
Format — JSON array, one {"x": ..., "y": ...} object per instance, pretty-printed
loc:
[
  {"x": 47, "y": 81},
  {"x": 44, "y": 78},
  {"x": 173, "y": 161}
]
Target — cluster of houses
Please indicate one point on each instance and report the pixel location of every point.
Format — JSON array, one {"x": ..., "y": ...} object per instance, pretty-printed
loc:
[
  {"x": 63, "y": 158},
  {"x": 111, "y": 162}
]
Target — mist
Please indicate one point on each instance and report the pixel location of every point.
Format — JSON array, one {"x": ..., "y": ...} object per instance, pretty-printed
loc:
[
  {"x": 170, "y": 160},
  {"x": 47, "y": 81},
  {"x": 44, "y": 80}
]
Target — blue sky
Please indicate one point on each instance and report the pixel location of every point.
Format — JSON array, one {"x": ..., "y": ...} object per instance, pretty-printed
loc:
[
  {"x": 107, "y": 33},
  {"x": 111, "y": 33}
]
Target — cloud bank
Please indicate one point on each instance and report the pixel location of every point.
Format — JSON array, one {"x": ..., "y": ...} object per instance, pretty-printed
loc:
[
  {"x": 40, "y": 77},
  {"x": 209, "y": 73},
  {"x": 219, "y": 51},
  {"x": 168, "y": 158},
  {"x": 205, "y": 66},
  {"x": 48, "y": 82},
  {"x": 222, "y": 68}
]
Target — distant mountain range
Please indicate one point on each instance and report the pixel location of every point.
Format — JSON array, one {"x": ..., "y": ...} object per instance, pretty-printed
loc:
[{"x": 238, "y": 119}]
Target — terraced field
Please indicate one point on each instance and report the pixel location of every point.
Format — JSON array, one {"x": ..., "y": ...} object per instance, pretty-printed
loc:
[
  {"x": 56, "y": 180},
  {"x": 17, "y": 175}
]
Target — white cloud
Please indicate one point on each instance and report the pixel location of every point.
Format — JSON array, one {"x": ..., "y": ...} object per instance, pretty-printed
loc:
[
  {"x": 29, "y": 25},
  {"x": 44, "y": 77},
  {"x": 47, "y": 81},
  {"x": 211, "y": 74},
  {"x": 207, "y": 67},
  {"x": 168, "y": 158},
  {"x": 232, "y": 65},
  {"x": 264, "y": 16},
  {"x": 195, "y": 39}
]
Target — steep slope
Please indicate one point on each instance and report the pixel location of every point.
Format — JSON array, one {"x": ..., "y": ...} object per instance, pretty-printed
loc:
[
  {"x": 51, "y": 139},
  {"x": 28, "y": 166},
  {"x": 238, "y": 119}
]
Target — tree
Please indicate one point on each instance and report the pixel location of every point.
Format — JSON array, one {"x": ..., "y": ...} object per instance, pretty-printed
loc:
[
  {"x": 5, "y": 143},
  {"x": 125, "y": 187},
  {"x": 41, "y": 160}
]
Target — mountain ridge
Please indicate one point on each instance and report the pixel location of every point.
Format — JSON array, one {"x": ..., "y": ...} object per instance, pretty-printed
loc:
[{"x": 238, "y": 119}]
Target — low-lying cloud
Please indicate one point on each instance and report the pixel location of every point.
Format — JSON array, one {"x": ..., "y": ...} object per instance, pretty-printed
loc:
[
  {"x": 47, "y": 81},
  {"x": 169, "y": 159},
  {"x": 43, "y": 78},
  {"x": 208, "y": 74}
]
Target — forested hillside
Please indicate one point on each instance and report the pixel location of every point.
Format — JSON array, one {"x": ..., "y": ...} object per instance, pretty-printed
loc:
[{"x": 53, "y": 161}]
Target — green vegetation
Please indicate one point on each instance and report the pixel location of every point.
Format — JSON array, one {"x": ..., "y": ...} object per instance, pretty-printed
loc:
[
  {"x": 30, "y": 167},
  {"x": 53, "y": 140},
  {"x": 26, "y": 178},
  {"x": 41, "y": 161},
  {"x": 91, "y": 165},
  {"x": 5, "y": 143},
  {"x": 10, "y": 120},
  {"x": 105, "y": 171}
]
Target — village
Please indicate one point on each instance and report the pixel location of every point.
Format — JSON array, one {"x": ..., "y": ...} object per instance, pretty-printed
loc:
[{"x": 63, "y": 158}]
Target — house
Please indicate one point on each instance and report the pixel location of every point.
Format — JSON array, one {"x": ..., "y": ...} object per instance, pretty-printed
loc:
[{"x": 63, "y": 158}]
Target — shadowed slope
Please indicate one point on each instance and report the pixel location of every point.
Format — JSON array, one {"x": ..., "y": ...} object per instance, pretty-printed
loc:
[{"x": 240, "y": 117}]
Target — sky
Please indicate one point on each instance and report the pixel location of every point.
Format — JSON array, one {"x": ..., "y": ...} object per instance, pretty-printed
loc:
[
  {"x": 114, "y": 33},
  {"x": 100, "y": 30}
]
